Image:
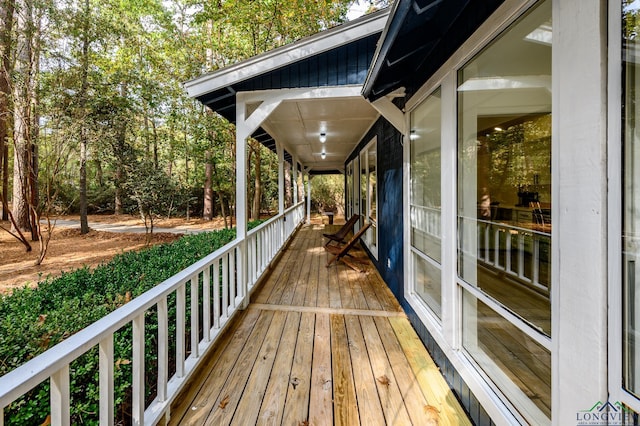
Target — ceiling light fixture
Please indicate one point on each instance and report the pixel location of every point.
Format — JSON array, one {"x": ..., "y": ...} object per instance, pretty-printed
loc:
[
  {"x": 323, "y": 137},
  {"x": 323, "y": 154}
]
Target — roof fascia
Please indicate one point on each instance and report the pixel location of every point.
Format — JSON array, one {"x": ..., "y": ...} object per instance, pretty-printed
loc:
[
  {"x": 285, "y": 55},
  {"x": 397, "y": 15}
]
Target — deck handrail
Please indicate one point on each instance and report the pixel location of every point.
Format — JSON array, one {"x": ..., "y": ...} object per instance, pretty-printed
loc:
[
  {"x": 219, "y": 302},
  {"x": 490, "y": 241}
]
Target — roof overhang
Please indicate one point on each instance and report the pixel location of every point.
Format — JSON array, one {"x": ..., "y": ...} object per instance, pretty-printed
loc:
[
  {"x": 278, "y": 58},
  {"x": 420, "y": 35},
  {"x": 335, "y": 61}
]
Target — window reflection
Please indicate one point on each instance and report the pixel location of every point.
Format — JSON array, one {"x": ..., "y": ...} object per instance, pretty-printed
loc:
[
  {"x": 504, "y": 172},
  {"x": 504, "y": 210},
  {"x": 425, "y": 207}
]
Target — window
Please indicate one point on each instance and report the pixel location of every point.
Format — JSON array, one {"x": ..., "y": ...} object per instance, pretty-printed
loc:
[
  {"x": 631, "y": 199},
  {"x": 504, "y": 210},
  {"x": 369, "y": 194},
  {"x": 349, "y": 188},
  {"x": 425, "y": 203}
]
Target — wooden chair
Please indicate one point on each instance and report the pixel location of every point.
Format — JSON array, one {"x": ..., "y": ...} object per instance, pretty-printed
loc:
[
  {"x": 342, "y": 252},
  {"x": 342, "y": 233}
]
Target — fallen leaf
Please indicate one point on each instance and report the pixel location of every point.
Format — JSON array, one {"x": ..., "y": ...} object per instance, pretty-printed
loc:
[
  {"x": 121, "y": 361},
  {"x": 47, "y": 421},
  {"x": 304, "y": 423},
  {"x": 384, "y": 380},
  {"x": 432, "y": 415},
  {"x": 224, "y": 402},
  {"x": 41, "y": 319}
]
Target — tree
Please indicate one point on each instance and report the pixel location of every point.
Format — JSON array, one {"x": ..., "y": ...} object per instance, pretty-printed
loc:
[
  {"x": 25, "y": 116},
  {"x": 6, "y": 16},
  {"x": 151, "y": 189}
]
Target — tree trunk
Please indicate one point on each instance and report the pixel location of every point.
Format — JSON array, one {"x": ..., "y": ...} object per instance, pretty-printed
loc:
[
  {"x": 257, "y": 193},
  {"x": 207, "y": 213},
  {"x": 288, "y": 196},
  {"x": 120, "y": 149},
  {"x": 82, "y": 101},
  {"x": 155, "y": 144},
  {"x": 99, "y": 173},
  {"x": 22, "y": 116},
  {"x": 223, "y": 204},
  {"x": 6, "y": 16},
  {"x": 84, "y": 221}
]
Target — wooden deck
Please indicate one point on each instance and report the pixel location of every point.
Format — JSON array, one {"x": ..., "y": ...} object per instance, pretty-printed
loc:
[{"x": 318, "y": 346}]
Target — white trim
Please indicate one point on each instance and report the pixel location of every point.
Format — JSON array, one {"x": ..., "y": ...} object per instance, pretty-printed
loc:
[
  {"x": 285, "y": 55},
  {"x": 366, "y": 209},
  {"x": 451, "y": 306},
  {"x": 614, "y": 156},
  {"x": 579, "y": 215},
  {"x": 391, "y": 112},
  {"x": 448, "y": 334}
]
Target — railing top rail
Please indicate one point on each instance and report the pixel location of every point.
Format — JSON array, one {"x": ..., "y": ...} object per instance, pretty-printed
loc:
[
  {"x": 14, "y": 384},
  {"x": 507, "y": 226},
  {"x": 295, "y": 206},
  {"x": 274, "y": 219},
  {"x": 265, "y": 224}
]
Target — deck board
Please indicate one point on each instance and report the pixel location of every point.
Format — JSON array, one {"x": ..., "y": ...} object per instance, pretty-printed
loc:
[{"x": 317, "y": 346}]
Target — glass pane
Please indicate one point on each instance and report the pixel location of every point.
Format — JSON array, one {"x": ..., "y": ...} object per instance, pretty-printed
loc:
[
  {"x": 363, "y": 185},
  {"x": 349, "y": 185},
  {"x": 631, "y": 210},
  {"x": 373, "y": 193},
  {"x": 428, "y": 283},
  {"x": 425, "y": 156},
  {"x": 514, "y": 361},
  {"x": 504, "y": 169}
]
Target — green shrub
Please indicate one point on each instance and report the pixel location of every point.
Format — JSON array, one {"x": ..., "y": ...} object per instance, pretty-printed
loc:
[{"x": 33, "y": 320}]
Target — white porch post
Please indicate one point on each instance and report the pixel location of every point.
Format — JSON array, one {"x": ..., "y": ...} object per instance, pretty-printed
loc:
[
  {"x": 579, "y": 216},
  {"x": 242, "y": 133},
  {"x": 245, "y": 125},
  {"x": 295, "y": 180},
  {"x": 281, "y": 193},
  {"x": 308, "y": 198}
]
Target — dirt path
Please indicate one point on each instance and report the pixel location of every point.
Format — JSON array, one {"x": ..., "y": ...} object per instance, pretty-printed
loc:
[{"x": 69, "y": 250}]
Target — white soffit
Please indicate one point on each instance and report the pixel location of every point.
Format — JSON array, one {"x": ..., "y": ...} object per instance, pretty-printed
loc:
[{"x": 297, "y": 124}]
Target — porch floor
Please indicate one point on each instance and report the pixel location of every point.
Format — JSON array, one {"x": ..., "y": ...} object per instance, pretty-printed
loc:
[{"x": 318, "y": 346}]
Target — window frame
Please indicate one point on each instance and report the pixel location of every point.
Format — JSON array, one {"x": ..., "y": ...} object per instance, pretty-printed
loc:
[
  {"x": 447, "y": 332},
  {"x": 365, "y": 211}
]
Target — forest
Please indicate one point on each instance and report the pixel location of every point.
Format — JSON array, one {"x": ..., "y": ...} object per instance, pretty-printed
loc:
[{"x": 93, "y": 116}]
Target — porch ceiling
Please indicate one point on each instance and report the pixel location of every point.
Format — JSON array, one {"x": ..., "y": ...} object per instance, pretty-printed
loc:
[
  {"x": 335, "y": 58},
  {"x": 298, "y": 124}
]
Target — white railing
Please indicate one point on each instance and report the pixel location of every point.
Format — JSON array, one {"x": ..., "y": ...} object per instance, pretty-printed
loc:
[
  {"x": 217, "y": 278},
  {"x": 520, "y": 252},
  {"x": 427, "y": 220},
  {"x": 265, "y": 241}
]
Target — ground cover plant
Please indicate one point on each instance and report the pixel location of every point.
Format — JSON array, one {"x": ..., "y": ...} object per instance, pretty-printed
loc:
[{"x": 33, "y": 320}]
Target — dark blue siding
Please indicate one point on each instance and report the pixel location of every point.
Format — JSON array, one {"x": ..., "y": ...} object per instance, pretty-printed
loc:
[{"x": 347, "y": 64}]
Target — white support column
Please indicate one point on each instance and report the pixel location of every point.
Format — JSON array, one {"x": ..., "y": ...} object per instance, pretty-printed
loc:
[
  {"x": 281, "y": 190},
  {"x": 281, "y": 193},
  {"x": 579, "y": 215},
  {"x": 309, "y": 198},
  {"x": 245, "y": 126},
  {"x": 294, "y": 176}
]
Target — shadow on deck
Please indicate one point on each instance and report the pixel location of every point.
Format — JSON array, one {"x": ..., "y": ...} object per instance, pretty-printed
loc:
[{"x": 318, "y": 346}]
